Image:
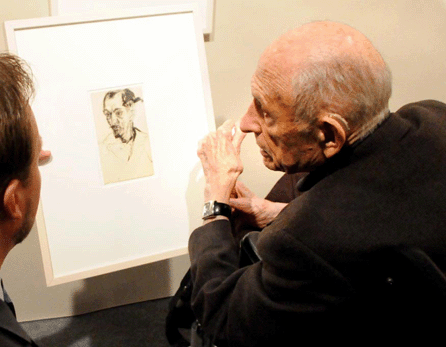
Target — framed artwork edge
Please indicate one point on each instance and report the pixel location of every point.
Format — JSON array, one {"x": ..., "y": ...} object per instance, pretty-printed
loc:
[
  {"x": 51, "y": 281},
  {"x": 207, "y": 29},
  {"x": 10, "y": 28},
  {"x": 44, "y": 246}
]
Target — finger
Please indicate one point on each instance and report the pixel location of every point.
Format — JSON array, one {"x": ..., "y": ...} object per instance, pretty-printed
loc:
[
  {"x": 234, "y": 194},
  {"x": 240, "y": 204},
  {"x": 238, "y": 137},
  {"x": 206, "y": 142},
  {"x": 243, "y": 190},
  {"x": 226, "y": 128},
  {"x": 200, "y": 148}
]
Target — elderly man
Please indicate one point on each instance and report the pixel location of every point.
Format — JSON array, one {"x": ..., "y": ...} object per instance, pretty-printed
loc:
[
  {"x": 20, "y": 155},
  {"x": 375, "y": 189}
]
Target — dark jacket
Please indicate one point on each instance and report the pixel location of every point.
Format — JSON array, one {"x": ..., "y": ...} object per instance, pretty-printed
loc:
[
  {"x": 328, "y": 268},
  {"x": 11, "y": 333}
]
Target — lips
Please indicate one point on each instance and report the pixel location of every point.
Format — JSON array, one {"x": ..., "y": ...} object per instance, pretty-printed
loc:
[
  {"x": 116, "y": 131},
  {"x": 264, "y": 153}
]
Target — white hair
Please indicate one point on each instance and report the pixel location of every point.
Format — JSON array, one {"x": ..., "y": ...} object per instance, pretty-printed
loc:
[{"x": 345, "y": 84}]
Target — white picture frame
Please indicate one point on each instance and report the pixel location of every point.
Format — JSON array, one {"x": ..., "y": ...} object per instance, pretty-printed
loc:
[
  {"x": 68, "y": 7},
  {"x": 86, "y": 227}
]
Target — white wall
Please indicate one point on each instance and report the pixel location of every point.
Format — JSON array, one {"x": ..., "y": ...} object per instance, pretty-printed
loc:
[{"x": 411, "y": 35}]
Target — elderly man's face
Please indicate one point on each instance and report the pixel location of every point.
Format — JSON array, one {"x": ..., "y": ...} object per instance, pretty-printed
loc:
[
  {"x": 284, "y": 144},
  {"x": 119, "y": 117}
]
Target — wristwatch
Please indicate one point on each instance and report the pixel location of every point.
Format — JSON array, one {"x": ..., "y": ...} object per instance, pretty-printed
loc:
[{"x": 213, "y": 208}]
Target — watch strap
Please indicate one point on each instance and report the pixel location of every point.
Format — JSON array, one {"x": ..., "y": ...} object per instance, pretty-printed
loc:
[{"x": 215, "y": 208}]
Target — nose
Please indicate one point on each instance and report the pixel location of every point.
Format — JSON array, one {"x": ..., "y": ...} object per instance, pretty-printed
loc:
[
  {"x": 44, "y": 156},
  {"x": 250, "y": 121},
  {"x": 113, "y": 119}
]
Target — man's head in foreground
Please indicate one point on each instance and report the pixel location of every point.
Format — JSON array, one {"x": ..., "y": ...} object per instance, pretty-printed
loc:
[
  {"x": 316, "y": 89},
  {"x": 20, "y": 152}
]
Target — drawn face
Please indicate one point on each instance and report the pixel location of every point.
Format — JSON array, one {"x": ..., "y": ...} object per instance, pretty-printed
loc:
[{"x": 119, "y": 117}]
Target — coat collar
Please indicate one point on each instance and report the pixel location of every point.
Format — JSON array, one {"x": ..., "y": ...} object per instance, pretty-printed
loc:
[
  {"x": 391, "y": 130},
  {"x": 8, "y": 322}
]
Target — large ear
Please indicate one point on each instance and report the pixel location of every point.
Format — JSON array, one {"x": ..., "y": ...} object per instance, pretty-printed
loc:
[
  {"x": 14, "y": 200},
  {"x": 333, "y": 133}
]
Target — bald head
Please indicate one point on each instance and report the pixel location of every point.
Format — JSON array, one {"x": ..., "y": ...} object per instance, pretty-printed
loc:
[
  {"x": 321, "y": 40},
  {"x": 331, "y": 67}
]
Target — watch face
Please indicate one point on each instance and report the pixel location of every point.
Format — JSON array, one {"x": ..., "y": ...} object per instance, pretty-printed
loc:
[{"x": 208, "y": 209}]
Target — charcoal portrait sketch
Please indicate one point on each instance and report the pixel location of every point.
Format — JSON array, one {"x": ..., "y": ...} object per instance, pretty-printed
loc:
[{"x": 122, "y": 133}]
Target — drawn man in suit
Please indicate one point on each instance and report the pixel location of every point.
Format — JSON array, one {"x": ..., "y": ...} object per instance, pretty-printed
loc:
[{"x": 20, "y": 154}]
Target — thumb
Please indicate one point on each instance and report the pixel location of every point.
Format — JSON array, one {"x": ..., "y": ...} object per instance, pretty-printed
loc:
[
  {"x": 243, "y": 191},
  {"x": 241, "y": 204}
]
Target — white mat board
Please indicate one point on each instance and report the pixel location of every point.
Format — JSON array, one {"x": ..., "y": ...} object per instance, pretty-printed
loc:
[{"x": 86, "y": 227}]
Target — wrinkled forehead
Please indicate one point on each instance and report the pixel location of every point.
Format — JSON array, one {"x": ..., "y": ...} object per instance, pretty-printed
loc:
[
  {"x": 272, "y": 84},
  {"x": 274, "y": 76},
  {"x": 284, "y": 57}
]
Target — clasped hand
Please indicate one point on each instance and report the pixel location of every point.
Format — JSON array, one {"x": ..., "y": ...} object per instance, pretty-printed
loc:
[
  {"x": 219, "y": 153},
  {"x": 257, "y": 212}
]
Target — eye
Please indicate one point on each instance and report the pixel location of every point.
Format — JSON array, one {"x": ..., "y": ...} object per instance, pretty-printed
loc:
[
  {"x": 259, "y": 108},
  {"x": 119, "y": 113},
  {"x": 257, "y": 105}
]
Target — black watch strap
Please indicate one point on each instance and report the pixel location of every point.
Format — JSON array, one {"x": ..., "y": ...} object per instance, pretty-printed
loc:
[{"x": 214, "y": 208}]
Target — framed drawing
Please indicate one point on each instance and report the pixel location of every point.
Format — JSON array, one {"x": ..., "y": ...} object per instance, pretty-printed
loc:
[
  {"x": 124, "y": 147},
  {"x": 68, "y": 7},
  {"x": 121, "y": 101}
]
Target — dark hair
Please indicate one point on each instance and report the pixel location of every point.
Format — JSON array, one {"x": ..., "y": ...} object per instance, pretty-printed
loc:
[
  {"x": 128, "y": 97},
  {"x": 16, "y": 146}
]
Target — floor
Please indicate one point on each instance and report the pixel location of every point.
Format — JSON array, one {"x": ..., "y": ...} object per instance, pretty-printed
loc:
[{"x": 140, "y": 324}]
